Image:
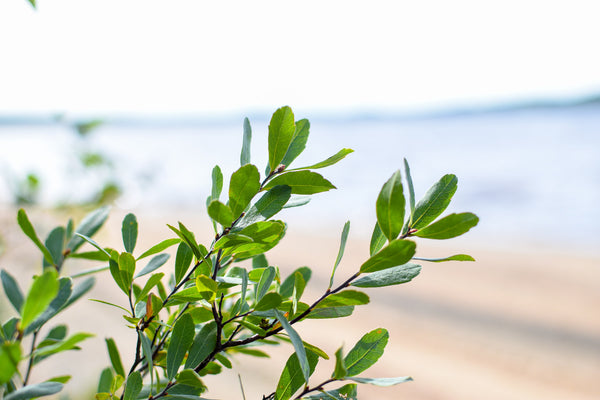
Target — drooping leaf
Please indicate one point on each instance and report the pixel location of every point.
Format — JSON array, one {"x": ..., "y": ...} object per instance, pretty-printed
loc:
[
  {"x": 302, "y": 182},
  {"x": 387, "y": 277},
  {"x": 340, "y": 251},
  {"x": 204, "y": 343},
  {"x": 155, "y": 263},
  {"x": 434, "y": 202},
  {"x": 181, "y": 340},
  {"x": 88, "y": 227},
  {"x": 366, "y": 352},
  {"x": 456, "y": 257},
  {"x": 28, "y": 229},
  {"x": 281, "y": 133},
  {"x": 12, "y": 290},
  {"x": 244, "y": 184},
  {"x": 297, "y": 343},
  {"x": 450, "y": 226},
  {"x": 183, "y": 259},
  {"x": 269, "y": 204},
  {"x": 165, "y": 244},
  {"x": 377, "y": 240},
  {"x": 397, "y": 252},
  {"x": 55, "y": 243},
  {"x": 129, "y": 232},
  {"x": 334, "y": 159},
  {"x": 42, "y": 291},
  {"x": 35, "y": 390},
  {"x": 340, "y": 370},
  {"x": 115, "y": 357},
  {"x": 133, "y": 386},
  {"x": 382, "y": 381},
  {"x": 292, "y": 377},
  {"x": 245, "y": 154},
  {"x": 217, "y": 183},
  {"x": 390, "y": 207},
  {"x": 220, "y": 213},
  {"x": 411, "y": 188},
  {"x": 298, "y": 143}
]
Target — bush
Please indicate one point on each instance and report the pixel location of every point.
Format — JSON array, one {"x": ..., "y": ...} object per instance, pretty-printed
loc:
[{"x": 192, "y": 318}]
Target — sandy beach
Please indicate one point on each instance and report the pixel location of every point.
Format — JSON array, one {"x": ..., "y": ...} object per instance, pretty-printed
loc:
[{"x": 513, "y": 325}]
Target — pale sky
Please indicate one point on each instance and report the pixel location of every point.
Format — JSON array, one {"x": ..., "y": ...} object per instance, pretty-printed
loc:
[{"x": 192, "y": 56}]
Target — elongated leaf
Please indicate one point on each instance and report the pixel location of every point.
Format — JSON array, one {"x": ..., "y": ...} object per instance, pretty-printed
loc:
[
  {"x": 287, "y": 286},
  {"x": 344, "y": 298},
  {"x": 434, "y": 202},
  {"x": 150, "y": 283},
  {"x": 217, "y": 183},
  {"x": 12, "y": 290},
  {"x": 148, "y": 356},
  {"x": 398, "y": 252},
  {"x": 28, "y": 229},
  {"x": 298, "y": 143},
  {"x": 191, "y": 378},
  {"x": 93, "y": 243},
  {"x": 204, "y": 343},
  {"x": 155, "y": 263},
  {"x": 450, "y": 226},
  {"x": 330, "y": 312},
  {"x": 334, "y": 159},
  {"x": 127, "y": 265},
  {"x": 106, "y": 377},
  {"x": 281, "y": 133},
  {"x": 377, "y": 240},
  {"x": 456, "y": 257},
  {"x": 133, "y": 386},
  {"x": 340, "y": 370},
  {"x": 245, "y": 154},
  {"x": 387, "y": 277},
  {"x": 302, "y": 182},
  {"x": 183, "y": 259},
  {"x": 10, "y": 355},
  {"x": 78, "y": 291},
  {"x": 57, "y": 304},
  {"x": 42, "y": 291},
  {"x": 366, "y": 352},
  {"x": 112, "y": 305},
  {"x": 165, "y": 244},
  {"x": 299, "y": 286},
  {"x": 269, "y": 204},
  {"x": 411, "y": 188},
  {"x": 346, "y": 392},
  {"x": 91, "y": 255},
  {"x": 129, "y": 232},
  {"x": 265, "y": 282},
  {"x": 391, "y": 207},
  {"x": 207, "y": 288},
  {"x": 245, "y": 183},
  {"x": 188, "y": 237},
  {"x": 64, "y": 345},
  {"x": 181, "y": 340},
  {"x": 340, "y": 251},
  {"x": 88, "y": 227},
  {"x": 220, "y": 213},
  {"x": 292, "y": 377},
  {"x": 297, "y": 343},
  {"x": 115, "y": 357},
  {"x": 55, "y": 243},
  {"x": 382, "y": 381},
  {"x": 36, "y": 390},
  {"x": 268, "y": 302},
  {"x": 297, "y": 201}
]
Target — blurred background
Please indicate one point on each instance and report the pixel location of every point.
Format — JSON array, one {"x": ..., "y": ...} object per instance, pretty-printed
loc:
[{"x": 132, "y": 103}]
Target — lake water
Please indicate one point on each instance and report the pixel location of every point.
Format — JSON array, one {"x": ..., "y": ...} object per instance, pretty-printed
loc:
[{"x": 533, "y": 176}]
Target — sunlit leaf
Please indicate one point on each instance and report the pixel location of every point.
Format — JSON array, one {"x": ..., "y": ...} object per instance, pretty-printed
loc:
[
  {"x": 398, "y": 252},
  {"x": 281, "y": 133},
  {"x": 88, "y": 227},
  {"x": 434, "y": 202},
  {"x": 181, "y": 340},
  {"x": 43, "y": 290},
  {"x": 390, "y": 207},
  {"x": 456, "y": 257},
  {"x": 244, "y": 184},
  {"x": 115, "y": 357},
  {"x": 334, "y": 159},
  {"x": 387, "y": 277},
  {"x": 366, "y": 352},
  {"x": 450, "y": 226},
  {"x": 340, "y": 251},
  {"x": 245, "y": 154},
  {"x": 302, "y": 182},
  {"x": 28, "y": 229},
  {"x": 129, "y": 232}
]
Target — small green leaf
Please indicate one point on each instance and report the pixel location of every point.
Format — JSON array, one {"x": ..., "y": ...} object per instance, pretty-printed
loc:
[
  {"x": 91, "y": 255},
  {"x": 88, "y": 227},
  {"x": 217, "y": 183},
  {"x": 366, "y": 352},
  {"x": 344, "y": 298},
  {"x": 302, "y": 182},
  {"x": 266, "y": 279},
  {"x": 28, "y": 229},
  {"x": 115, "y": 357},
  {"x": 340, "y": 370},
  {"x": 12, "y": 290},
  {"x": 298, "y": 143},
  {"x": 204, "y": 343},
  {"x": 155, "y": 263},
  {"x": 133, "y": 386},
  {"x": 220, "y": 213},
  {"x": 391, "y": 207},
  {"x": 297, "y": 343},
  {"x": 377, "y": 240},
  {"x": 183, "y": 260},
  {"x": 57, "y": 304},
  {"x": 334, "y": 159},
  {"x": 10, "y": 355},
  {"x": 387, "y": 277},
  {"x": 43, "y": 290},
  {"x": 450, "y": 226},
  {"x": 55, "y": 243},
  {"x": 346, "y": 392},
  {"x": 106, "y": 377},
  {"x": 148, "y": 355},
  {"x": 456, "y": 257},
  {"x": 207, "y": 288},
  {"x": 382, "y": 381},
  {"x": 411, "y": 188},
  {"x": 93, "y": 243},
  {"x": 269, "y": 204},
  {"x": 188, "y": 237},
  {"x": 127, "y": 265},
  {"x": 292, "y": 377},
  {"x": 245, "y": 154},
  {"x": 165, "y": 244},
  {"x": 129, "y": 232},
  {"x": 259, "y": 261},
  {"x": 36, "y": 390},
  {"x": 340, "y": 251},
  {"x": 398, "y": 252},
  {"x": 297, "y": 201},
  {"x": 111, "y": 304},
  {"x": 64, "y": 345},
  {"x": 244, "y": 184},
  {"x": 181, "y": 340},
  {"x": 191, "y": 378},
  {"x": 281, "y": 133},
  {"x": 268, "y": 302},
  {"x": 287, "y": 286},
  {"x": 150, "y": 283},
  {"x": 117, "y": 382},
  {"x": 434, "y": 202}
]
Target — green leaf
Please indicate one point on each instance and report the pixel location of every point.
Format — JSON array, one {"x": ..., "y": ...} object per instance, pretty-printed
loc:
[
  {"x": 434, "y": 202},
  {"x": 12, "y": 290},
  {"x": 106, "y": 377},
  {"x": 42, "y": 291},
  {"x": 245, "y": 154},
  {"x": 292, "y": 377},
  {"x": 188, "y": 237},
  {"x": 217, "y": 183},
  {"x": 382, "y": 381},
  {"x": 129, "y": 232},
  {"x": 268, "y": 302},
  {"x": 57, "y": 304},
  {"x": 387, "y": 277},
  {"x": 366, "y": 352},
  {"x": 298, "y": 143},
  {"x": 340, "y": 370},
  {"x": 269, "y": 204},
  {"x": 115, "y": 357},
  {"x": 244, "y": 184},
  {"x": 111, "y": 304},
  {"x": 183, "y": 260},
  {"x": 220, "y": 213},
  {"x": 344, "y": 298},
  {"x": 55, "y": 243},
  {"x": 28, "y": 229},
  {"x": 36, "y": 390},
  {"x": 411, "y": 188},
  {"x": 298, "y": 345},
  {"x": 181, "y": 340},
  {"x": 391, "y": 207},
  {"x": 133, "y": 386},
  {"x": 299, "y": 286},
  {"x": 311, "y": 348},
  {"x": 60, "y": 379},
  {"x": 155, "y": 263},
  {"x": 206, "y": 287},
  {"x": 127, "y": 265},
  {"x": 397, "y": 252},
  {"x": 165, "y": 244},
  {"x": 281, "y": 133},
  {"x": 346, "y": 392},
  {"x": 334, "y": 159},
  {"x": 64, "y": 345},
  {"x": 456, "y": 257},
  {"x": 266, "y": 279},
  {"x": 259, "y": 261},
  {"x": 148, "y": 355},
  {"x": 93, "y": 243},
  {"x": 340, "y": 251},
  {"x": 330, "y": 312},
  {"x": 191, "y": 378},
  {"x": 450, "y": 226},
  {"x": 204, "y": 343},
  {"x": 116, "y": 383},
  {"x": 10, "y": 355},
  {"x": 302, "y": 182},
  {"x": 91, "y": 255},
  {"x": 253, "y": 240},
  {"x": 150, "y": 283},
  {"x": 377, "y": 240},
  {"x": 79, "y": 291},
  {"x": 88, "y": 227},
  {"x": 297, "y": 201},
  {"x": 287, "y": 287}
]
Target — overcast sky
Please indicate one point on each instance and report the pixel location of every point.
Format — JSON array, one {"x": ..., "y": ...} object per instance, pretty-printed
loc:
[{"x": 193, "y": 56}]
